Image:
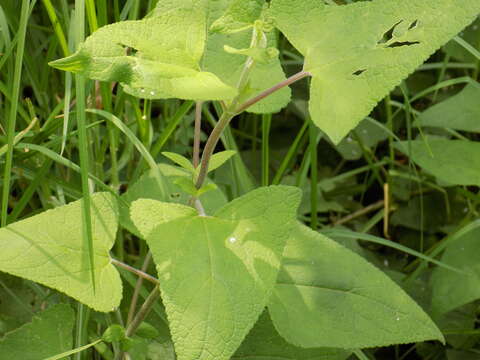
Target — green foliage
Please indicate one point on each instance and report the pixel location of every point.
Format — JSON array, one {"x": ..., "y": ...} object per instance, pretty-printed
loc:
[
  {"x": 241, "y": 276},
  {"x": 263, "y": 342},
  {"x": 229, "y": 67},
  {"x": 48, "y": 248},
  {"x": 217, "y": 273},
  {"x": 452, "y": 290},
  {"x": 361, "y": 306},
  {"x": 154, "y": 58},
  {"x": 147, "y": 188},
  {"x": 353, "y": 70},
  {"x": 459, "y": 112},
  {"x": 49, "y": 333},
  {"x": 455, "y": 162}
]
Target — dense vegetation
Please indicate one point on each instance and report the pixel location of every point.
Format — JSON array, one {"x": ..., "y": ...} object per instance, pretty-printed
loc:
[{"x": 310, "y": 190}]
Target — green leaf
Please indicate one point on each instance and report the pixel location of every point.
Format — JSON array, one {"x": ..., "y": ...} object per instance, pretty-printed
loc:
[
  {"x": 451, "y": 290},
  {"x": 147, "y": 188},
  {"x": 154, "y": 58},
  {"x": 261, "y": 55},
  {"x": 49, "y": 333},
  {"x": 239, "y": 16},
  {"x": 327, "y": 295},
  {"x": 113, "y": 333},
  {"x": 470, "y": 35},
  {"x": 459, "y": 112},
  {"x": 264, "y": 343},
  {"x": 220, "y": 158},
  {"x": 228, "y": 67},
  {"x": 187, "y": 185},
  {"x": 146, "y": 214},
  {"x": 180, "y": 160},
  {"x": 217, "y": 273},
  {"x": 353, "y": 70},
  {"x": 454, "y": 161},
  {"x": 48, "y": 248}
]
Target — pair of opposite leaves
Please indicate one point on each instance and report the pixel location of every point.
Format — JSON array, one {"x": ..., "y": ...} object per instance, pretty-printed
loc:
[
  {"x": 218, "y": 273},
  {"x": 355, "y": 53}
]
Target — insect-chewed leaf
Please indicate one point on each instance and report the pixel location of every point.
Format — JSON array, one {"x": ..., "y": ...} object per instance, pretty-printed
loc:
[
  {"x": 327, "y": 295},
  {"x": 217, "y": 273},
  {"x": 49, "y": 248},
  {"x": 157, "y": 57},
  {"x": 49, "y": 334},
  {"x": 359, "y": 52}
]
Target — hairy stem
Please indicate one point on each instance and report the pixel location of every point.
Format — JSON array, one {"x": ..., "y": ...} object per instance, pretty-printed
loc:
[
  {"x": 141, "y": 315},
  {"x": 197, "y": 133},
  {"x": 135, "y": 271},
  {"x": 228, "y": 115},
  {"x": 144, "y": 311},
  {"x": 138, "y": 286},
  {"x": 294, "y": 78}
]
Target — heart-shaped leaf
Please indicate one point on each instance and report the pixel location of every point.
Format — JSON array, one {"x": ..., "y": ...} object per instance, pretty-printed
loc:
[
  {"x": 358, "y": 53},
  {"x": 327, "y": 295},
  {"x": 217, "y": 273},
  {"x": 48, "y": 248},
  {"x": 157, "y": 57}
]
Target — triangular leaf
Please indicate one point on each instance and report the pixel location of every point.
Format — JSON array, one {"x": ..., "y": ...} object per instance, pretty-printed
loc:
[
  {"x": 327, "y": 295},
  {"x": 217, "y": 273},
  {"x": 48, "y": 248},
  {"x": 157, "y": 57},
  {"x": 357, "y": 53},
  {"x": 49, "y": 333},
  {"x": 454, "y": 161}
]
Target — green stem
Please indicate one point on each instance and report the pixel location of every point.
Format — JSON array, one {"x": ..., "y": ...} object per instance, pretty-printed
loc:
[
  {"x": 266, "y": 123},
  {"x": 228, "y": 115}
]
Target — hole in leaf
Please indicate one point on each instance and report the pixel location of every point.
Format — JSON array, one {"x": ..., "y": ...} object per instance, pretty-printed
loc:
[
  {"x": 387, "y": 36},
  {"x": 129, "y": 51},
  {"x": 359, "y": 72},
  {"x": 403, "y": 43},
  {"x": 413, "y": 25}
]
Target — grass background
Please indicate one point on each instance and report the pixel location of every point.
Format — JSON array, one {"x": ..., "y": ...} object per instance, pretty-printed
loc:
[{"x": 53, "y": 152}]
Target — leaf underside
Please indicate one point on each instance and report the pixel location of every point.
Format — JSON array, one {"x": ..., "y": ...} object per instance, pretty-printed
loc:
[
  {"x": 358, "y": 53},
  {"x": 217, "y": 273},
  {"x": 328, "y": 296},
  {"x": 48, "y": 248}
]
